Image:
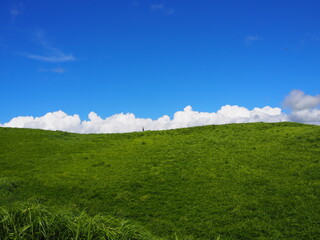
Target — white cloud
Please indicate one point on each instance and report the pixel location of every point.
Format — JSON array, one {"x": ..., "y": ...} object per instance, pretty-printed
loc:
[
  {"x": 303, "y": 107},
  {"x": 157, "y": 6},
  {"x": 298, "y": 100},
  {"x": 53, "y": 54},
  {"x": 250, "y": 38},
  {"x": 162, "y": 8},
  {"x": 310, "y": 116},
  {"x": 54, "y": 70},
  {"x": 58, "y": 57},
  {"x": 128, "y": 122},
  {"x": 51, "y": 121},
  {"x": 15, "y": 11}
]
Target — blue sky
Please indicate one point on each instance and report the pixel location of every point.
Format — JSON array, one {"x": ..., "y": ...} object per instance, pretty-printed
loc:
[{"x": 153, "y": 57}]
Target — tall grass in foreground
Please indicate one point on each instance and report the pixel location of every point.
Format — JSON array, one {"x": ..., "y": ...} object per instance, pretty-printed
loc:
[{"x": 34, "y": 221}]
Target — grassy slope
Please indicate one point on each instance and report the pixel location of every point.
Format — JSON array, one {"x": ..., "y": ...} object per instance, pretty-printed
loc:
[{"x": 239, "y": 181}]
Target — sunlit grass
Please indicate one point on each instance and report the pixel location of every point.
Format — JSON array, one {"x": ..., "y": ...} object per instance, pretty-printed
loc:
[
  {"x": 237, "y": 181},
  {"x": 34, "y": 221}
]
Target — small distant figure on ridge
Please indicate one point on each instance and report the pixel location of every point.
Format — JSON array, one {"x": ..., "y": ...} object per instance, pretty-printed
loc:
[{"x": 142, "y": 129}]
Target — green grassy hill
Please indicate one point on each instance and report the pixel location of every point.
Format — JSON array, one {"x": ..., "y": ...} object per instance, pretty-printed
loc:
[{"x": 237, "y": 181}]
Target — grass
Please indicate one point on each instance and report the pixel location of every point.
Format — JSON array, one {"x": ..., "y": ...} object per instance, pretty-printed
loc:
[
  {"x": 237, "y": 181},
  {"x": 34, "y": 221}
]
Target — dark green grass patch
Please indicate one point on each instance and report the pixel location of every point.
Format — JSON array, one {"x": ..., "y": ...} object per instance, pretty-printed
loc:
[{"x": 237, "y": 181}]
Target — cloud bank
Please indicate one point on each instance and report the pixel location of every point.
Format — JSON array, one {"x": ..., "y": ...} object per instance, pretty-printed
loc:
[
  {"x": 298, "y": 100},
  {"x": 303, "y": 110}
]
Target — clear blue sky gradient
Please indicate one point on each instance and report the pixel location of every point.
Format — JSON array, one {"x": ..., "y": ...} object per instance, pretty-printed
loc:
[{"x": 155, "y": 57}]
